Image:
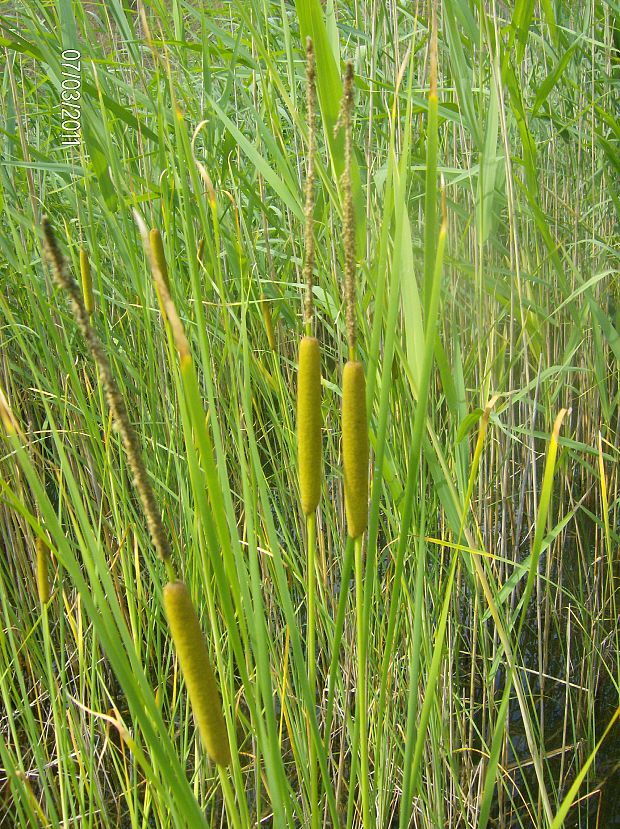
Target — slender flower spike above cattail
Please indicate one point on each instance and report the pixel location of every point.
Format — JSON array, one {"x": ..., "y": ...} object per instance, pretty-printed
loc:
[
  {"x": 309, "y": 423},
  {"x": 193, "y": 656},
  {"x": 355, "y": 447}
]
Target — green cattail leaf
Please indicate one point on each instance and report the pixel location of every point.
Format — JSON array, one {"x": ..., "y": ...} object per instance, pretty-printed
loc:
[
  {"x": 355, "y": 447},
  {"x": 87, "y": 282},
  {"x": 309, "y": 423},
  {"x": 196, "y": 668}
]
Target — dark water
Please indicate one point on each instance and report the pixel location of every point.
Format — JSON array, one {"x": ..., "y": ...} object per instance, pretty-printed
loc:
[{"x": 601, "y": 809}]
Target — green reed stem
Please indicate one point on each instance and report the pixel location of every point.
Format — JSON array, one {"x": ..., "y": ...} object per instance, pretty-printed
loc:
[{"x": 229, "y": 798}]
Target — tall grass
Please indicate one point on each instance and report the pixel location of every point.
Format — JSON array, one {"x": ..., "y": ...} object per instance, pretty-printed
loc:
[{"x": 482, "y": 602}]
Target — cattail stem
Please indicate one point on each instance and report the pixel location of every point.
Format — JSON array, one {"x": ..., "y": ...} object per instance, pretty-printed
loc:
[
  {"x": 191, "y": 650},
  {"x": 361, "y": 683},
  {"x": 311, "y": 656}
]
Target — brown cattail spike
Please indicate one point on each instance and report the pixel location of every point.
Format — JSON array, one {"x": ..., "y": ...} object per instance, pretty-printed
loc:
[
  {"x": 309, "y": 423},
  {"x": 43, "y": 585},
  {"x": 355, "y": 447},
  {"x": 193, "y": 656},
  {"x": 309, "y": 189},
  {"x": 87, "y": 282}
]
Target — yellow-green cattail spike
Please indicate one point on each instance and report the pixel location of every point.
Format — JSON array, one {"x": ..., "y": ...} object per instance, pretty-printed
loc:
[
  {"x": 266, "y": 313},
  {"x": 309, "y": 423},
  {"x": 157, "y": 247},
  {"x": 196, "y": 668},
  {"x": 355, "y": 447},
  {"x": 87, "y": 282},
  {"x": 43, "y": 584}
]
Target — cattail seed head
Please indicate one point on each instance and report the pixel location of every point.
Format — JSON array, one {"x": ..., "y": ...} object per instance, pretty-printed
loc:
[
  {"x": 157, "y": 246},
  {"x": 309, "y": 423},
  {"x": 87, "y": 282},
  {"x": 355, "y": 447},
  {"x": 265, "y": 310},
  {"x": 43, "y": 585},
  {"x": 196, "y": 668}
]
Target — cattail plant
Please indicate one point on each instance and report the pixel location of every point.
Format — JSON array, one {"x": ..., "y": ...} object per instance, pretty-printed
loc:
[
  {"x": 354, "y": 421},
  {"x": 187, "y": 636},
  {"x": 309, "y": 370},
  {"x": 309, "y": 449},
  {"x": 355, "y": 437}
]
